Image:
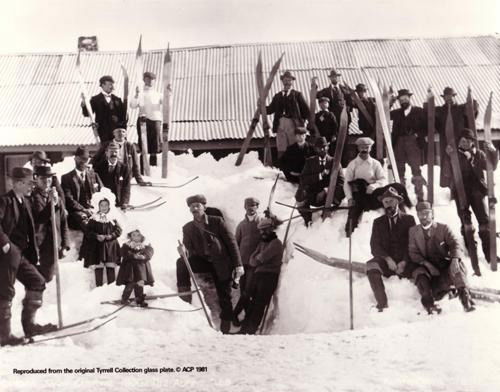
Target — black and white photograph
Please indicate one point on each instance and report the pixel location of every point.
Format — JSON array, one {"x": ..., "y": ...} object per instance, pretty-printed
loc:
[{"x": 251, "y": 195}]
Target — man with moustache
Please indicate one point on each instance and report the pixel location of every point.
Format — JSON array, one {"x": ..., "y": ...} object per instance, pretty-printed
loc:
[
  {"x": 293, "y": 160},
  {"x": 389, "y": 246},
  {"x": 211, "y": 248},
  {"x": 290, "y": 111},
  {"x": 338, "y": 97}
]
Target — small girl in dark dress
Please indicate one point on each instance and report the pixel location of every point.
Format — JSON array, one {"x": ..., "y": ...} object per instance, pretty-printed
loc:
[
  {"x": 100, "y": 247},
  {"x": 135, "y": 270}
]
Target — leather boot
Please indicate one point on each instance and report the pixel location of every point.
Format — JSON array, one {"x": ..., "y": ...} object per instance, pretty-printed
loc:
[
  {"x": 465, "y": 298},
  {"x": 484, "y": 235},
  {"x": 186, "y": 297},
  {"x": 6, "y": 337},
  {"x": 110, "y": 274},
  {"x": 99, "y": 277},
  {"x": 225, "y": 326},
  {"x": 126, "y": 293},
  {"x": 140, "y": 297},
  {"x": 419, "y": 182},
  {"x": 378, "y": 288},
  {"x": 423, "y": 284},
  {"x": 31, "y": 303}
]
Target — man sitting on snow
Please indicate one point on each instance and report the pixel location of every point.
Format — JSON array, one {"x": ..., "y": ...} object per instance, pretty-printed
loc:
[
  {"x": 435, "y": 248},
  {"x": 293, "y": 160},
  {"x": 211, "y": 248},
  {"x": 389, "y": 246},
  {"x": 315, "y": 180}
]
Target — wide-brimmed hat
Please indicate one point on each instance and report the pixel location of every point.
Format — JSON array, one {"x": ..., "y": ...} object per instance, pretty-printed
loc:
[
  {"x": 403, "y": 92},
  {"x": 41, "y": 156},
  {"x": 321, "y": 142},
  {"x": 287, "y": 74},
  {"x": 196, "y": 199},
  {"x": 21, "y": 173},
  {"x": 390, "y": 192},
  {"x": 364, "y": 141},
  {"x": 449, "y": 91},
  {"x": 333, "y": 72},
  {"x": 43, "y": 171},
  {"x": 468, "y": 134}
]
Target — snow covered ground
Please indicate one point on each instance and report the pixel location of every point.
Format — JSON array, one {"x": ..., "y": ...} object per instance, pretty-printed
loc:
[{"x": 310, "y": 347}]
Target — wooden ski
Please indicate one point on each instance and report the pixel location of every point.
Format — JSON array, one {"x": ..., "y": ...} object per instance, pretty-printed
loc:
[
  {"x": 259, "y": 78},
  {"x": 460, "y": 193},
  {"x": 167, "y": 110},
  {"x": 490, "y": 172},
  {"x": 383, "y": 123},
  {"x": 125, "y": 88},
  {"x": 431, "y": 131},
  {"x": 359, "y": 104},
  {"x": 255, "y": 120},
  {"x": 471, "y": 118},
  {"x": 312, "y": 106},
  {"x": 339, "y": 148},
  {"x": 86, "y": 98}
]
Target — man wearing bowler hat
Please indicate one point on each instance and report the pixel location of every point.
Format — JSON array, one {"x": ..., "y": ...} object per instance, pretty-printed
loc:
[
  {"x": 339, "y": 97},
  {"x": 211, "y": 248},
  {"x": 460, "y": 122},
  {"x": 472, "y": 165},
  {"x": 436, "y": 250},
  {"x": 109, "y": 110},
  {"x": 290, "y": 111},
  {"x": 408, "y": 140},
  {"x": 315, "y": 180},
  {"x": 79, "y": 185},
  {"x": 18, "y": 258},
  {"x": 389, "y": 246},
  {"x": 149, "y": 101},
  {"x": 41, "y": 197},
  {"x": 293, "y": 160}
]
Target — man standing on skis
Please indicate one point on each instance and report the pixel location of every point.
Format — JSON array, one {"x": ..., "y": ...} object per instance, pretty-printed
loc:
[
  {"x": 211, "y": 248},
  {"x": 408, "y": 140},
  {"x": 435, "y": 248},
  {"x": 290, "y": 111},
  {"x": 472, "y": 165},
  {"x": 18, "y": 258},
  {"x": 389, "y": 246}
]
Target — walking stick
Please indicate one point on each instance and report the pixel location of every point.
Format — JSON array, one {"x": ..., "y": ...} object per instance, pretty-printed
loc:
[
  {"x": 351, "y": 305},
  {"x": 56, "y": 259}
]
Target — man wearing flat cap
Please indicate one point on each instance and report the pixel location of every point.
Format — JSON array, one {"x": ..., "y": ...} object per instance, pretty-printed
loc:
[
  {"x": 472, "y": 165},
  {"x": 211, "y": 248},
  {"x": 293, "y": 160},
  {"x": 339, "y": 97},
  {"x": 115, "y": 175},
  {"x": 149, "y": 101},
  {"x": 435, "y": 249},
  {"x": 290, "y": 111},
  {"x": 109, "y": 110},
  {"x": 408, "y": 139},
  {"x": 43, "y": 194},
  {"x": 460, "y": 122},
  {"x": 389, "y": 246},
  {"x": 18, "y": 258},
  {"x": 79, "y": 185},
  {"x": 315, "y": 180}
]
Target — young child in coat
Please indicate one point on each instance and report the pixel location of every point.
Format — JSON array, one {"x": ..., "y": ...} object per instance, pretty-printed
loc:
[
  {"x": 100, "y": 247},
  {"x": 135, "y": 271}
]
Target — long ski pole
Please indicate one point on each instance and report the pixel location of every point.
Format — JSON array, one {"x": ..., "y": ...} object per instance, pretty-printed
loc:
[
  {"x": 55, "y": 250},
  {"x": 351, "y": 296},
  {"x": 431, "y": 130},
  {"x": 167, "y": 110},
  {"x": 183, "y": 255}
]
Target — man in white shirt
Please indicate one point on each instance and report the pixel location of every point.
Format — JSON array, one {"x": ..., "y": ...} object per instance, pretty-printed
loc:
[{"x": 149, "y": 103}]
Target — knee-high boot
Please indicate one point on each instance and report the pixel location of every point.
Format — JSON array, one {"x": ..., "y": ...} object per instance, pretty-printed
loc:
[
  {"x": 31, "y": 303},
  {"x": 99, "y": 276},
  {"x": 126, "y": 292},
  {"x": 484, "y": 235},
  {"x": 110, "y": 274},
  {"x": 378, "y": 288},
  {"x": 139, "y": 296},
  {"x": 6, "y": 337}
]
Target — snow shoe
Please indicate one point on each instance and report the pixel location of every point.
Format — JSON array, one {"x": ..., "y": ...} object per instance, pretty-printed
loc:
[{"x": 465, "y": 298}]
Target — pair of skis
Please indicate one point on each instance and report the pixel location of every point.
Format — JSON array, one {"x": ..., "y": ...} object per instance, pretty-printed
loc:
[
  {"x": 151, "y": 205},
  {"x": 163, "y": 185}
]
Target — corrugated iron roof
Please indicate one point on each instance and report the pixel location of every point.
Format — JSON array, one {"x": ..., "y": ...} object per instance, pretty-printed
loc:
[{"x": 214, "y": 87}]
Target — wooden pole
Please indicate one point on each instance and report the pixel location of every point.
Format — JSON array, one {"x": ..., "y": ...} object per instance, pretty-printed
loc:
[
  {"x": 167, "y": 110},
  {"x": 351, "y": 296},
  {"x": 55, "y": 250}
]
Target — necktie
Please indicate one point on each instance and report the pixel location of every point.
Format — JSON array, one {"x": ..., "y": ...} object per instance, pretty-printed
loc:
[{"x": 82, "y": 176}]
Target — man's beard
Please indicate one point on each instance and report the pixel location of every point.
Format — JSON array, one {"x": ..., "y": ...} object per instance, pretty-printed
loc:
[
  {"x": 405, "y": 105},
  {"x": 390, "y": 211}
]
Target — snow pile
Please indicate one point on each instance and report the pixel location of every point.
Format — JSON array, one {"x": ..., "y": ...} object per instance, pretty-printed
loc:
[{"x": 309, "y": 349}]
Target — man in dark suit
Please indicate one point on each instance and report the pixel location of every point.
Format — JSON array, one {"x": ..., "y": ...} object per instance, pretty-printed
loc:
[
  {"x": 109, "y": 110},
  {"x": 211, "y": 248},
  {"x": 41, "y": 198},
  {"x": 339, "y": 97},
  {"x": 408, "y": 139},
  {"x": 79, "y": 185},
  {"x": 293, "y": 160},
  {"x": 315, "y": 180},
  {"x": 290, "y": 111},
  {"x": 389, "y": 246},
  {"x": 327, "y": 125},
  {"x": 18, "y": 258},
  {"x": 115, "y": 175},
  {"x": 460, "y": 122},
  {"x": 127, "y": 154},
  {"x": 436, "y": 250}
]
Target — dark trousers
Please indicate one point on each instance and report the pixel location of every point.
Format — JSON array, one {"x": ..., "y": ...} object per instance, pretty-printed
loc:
[
  {"x": 154, "y": 135},
  {"x": 314, "y": 197},
  {"x": 14, "y": 265},
  {"x": 223, "y": 287},
  {"x": 262, "y": 289},
  {"x": 407, "y": 150},
  {"x": 47, "y": 265},
  {"x": 245, "y": 286}
]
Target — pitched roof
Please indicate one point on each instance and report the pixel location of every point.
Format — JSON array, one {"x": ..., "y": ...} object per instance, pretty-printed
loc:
[{"x": 214, "y": 87}]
